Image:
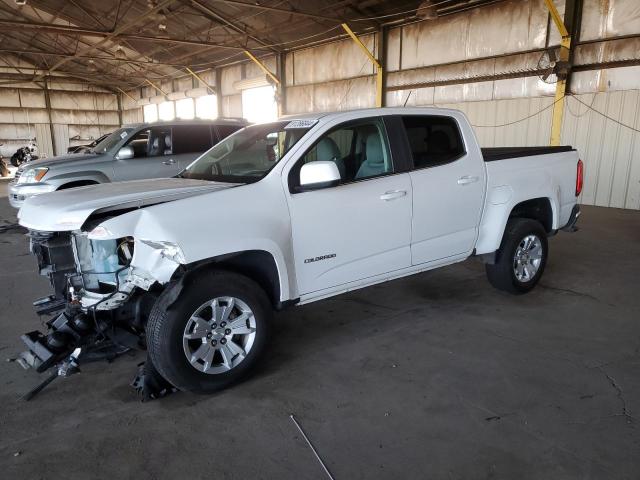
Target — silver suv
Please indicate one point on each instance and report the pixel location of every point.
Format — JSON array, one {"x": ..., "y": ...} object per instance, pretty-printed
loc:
[{"x": 133, "y": 152}]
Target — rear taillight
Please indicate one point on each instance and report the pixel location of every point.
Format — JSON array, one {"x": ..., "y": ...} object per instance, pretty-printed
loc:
[{"x": 579, "y": 177}]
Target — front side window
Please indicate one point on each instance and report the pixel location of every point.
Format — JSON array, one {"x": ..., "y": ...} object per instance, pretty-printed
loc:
[
  {"x": 247, "y": 155},
  {"x": 112, "y": 140},
  {"x": 433, "y": 140},
  {"x": 152, "y": 142},
  {"x": 359, "y": 149}
]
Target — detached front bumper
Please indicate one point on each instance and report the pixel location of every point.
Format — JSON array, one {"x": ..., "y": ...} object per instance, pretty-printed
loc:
[{"x": 19, "y": 192}]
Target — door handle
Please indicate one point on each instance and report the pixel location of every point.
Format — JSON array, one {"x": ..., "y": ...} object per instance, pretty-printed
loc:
[
  {"x": 392, "y": 195},
  {"x": 171, "y": 161},
  {"x": 467, "y": 179}
]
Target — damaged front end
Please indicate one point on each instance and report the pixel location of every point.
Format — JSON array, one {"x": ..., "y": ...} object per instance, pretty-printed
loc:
[{"x": 103, "y": 292}]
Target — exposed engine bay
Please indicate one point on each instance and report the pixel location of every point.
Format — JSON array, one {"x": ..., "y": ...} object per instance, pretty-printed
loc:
[
  {"x": 99, "y": 247},
  {"x": 98, "y": 309}
]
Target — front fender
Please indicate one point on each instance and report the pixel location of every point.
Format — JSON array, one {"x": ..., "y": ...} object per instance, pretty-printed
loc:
[
  {"x": 203, "y": 229},
  {"x": 87, "y": 176}
]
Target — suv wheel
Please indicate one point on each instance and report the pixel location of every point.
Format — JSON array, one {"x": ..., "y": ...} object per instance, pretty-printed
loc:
[
  {"x": 521, "y": 258},
  {"x": 212, "y": 335}
]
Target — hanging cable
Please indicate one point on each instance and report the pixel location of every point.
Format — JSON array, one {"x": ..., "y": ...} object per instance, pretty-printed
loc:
[
  {"x": 520, "y": 120},
  {"x": 388, "y": 15},
  {"x": 605, "y": 115}
]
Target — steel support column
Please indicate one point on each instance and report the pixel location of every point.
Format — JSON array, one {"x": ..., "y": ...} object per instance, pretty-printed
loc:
[
  {"x": 219, "y": 92},
  {"x": 563, "y": 63},
  {"x": 47, "y": 103},
  {"x": 282, "y": 88},
  {"x": 383, "y": 35},
  {"x": 119, "y": 100},
  {"x": 374, "y": 60}
]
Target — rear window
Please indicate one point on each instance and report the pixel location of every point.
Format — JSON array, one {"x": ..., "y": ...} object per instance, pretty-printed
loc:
[
  {"x": 433, "y": 140},
  {"x": 191, "y": 139}
]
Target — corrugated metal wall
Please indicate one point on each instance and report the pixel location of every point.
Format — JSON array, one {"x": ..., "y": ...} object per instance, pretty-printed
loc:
[
  {"x": 484, "y": 61},
  {"x": 79, "y": 114},
  {"x": 611, "y": 151}
]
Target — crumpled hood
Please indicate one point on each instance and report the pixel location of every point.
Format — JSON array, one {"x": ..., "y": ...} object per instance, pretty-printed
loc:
[{"x": 67, "y": 210}]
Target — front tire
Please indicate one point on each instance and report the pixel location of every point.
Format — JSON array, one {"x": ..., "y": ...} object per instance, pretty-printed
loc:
[
  {"x": 521, "y": 258},
  {"x": 212, "y": 335}
]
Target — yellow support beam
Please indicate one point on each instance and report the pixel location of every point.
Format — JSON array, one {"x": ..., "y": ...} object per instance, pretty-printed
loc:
[
  {"x": 374, "y": 60},
  {"x": 262, "y": 66},
  {"x": 561, "y": 85},
  {"x": 155, "y": 86},
  {"x": 557, "y": 19},
  {"x": 125, "y": 93},
  {"x": 200, "y": 79}
]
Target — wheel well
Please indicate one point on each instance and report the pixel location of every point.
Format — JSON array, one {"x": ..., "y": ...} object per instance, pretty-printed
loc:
[
  {"x": 536, "y": 209},
  {"x": 258, "y": 265},
  {"x": 79, "y": 183}
]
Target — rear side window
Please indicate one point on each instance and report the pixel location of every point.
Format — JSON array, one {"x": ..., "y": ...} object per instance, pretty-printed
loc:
[
  {"x": 433, "y": 140},
  {"x": 191, "y": 139}
]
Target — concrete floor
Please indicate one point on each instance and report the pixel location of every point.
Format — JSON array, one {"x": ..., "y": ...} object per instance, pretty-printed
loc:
[{"x": 434, "y": 376}]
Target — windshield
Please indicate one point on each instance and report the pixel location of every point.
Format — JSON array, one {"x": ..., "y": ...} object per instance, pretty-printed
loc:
[
  {"x": 247, "y": 155},
  {"x": 112, "y": 140}
]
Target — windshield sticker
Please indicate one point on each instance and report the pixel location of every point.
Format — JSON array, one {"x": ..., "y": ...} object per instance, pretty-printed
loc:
[
  {"x": 300, "y": 124},
  {"x": 123, "y": 135}
]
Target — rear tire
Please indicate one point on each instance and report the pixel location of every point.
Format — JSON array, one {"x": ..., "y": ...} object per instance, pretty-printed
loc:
[
  {"x": 521, "y": 258},
  {"x": 212, "y": 335}
]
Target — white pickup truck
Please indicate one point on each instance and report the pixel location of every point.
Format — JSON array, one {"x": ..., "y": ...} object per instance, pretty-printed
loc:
[{"x": 287, "y": 213}]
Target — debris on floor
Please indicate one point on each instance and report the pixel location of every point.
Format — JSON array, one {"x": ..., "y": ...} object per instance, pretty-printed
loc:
[{"x": 324, "y": 467}]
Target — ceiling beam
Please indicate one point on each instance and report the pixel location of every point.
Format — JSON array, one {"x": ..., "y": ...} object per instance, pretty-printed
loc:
[
  {"x": 77, "y": 31},
  {"x": 74, "y": 58},
  {"x": 106, "y": 77},
  {"x": 89, "y": 14},
  {"x": 118, "y": 30},
  {"x": 74, "y": 20},
  {"x": 72, "y": 77},
  {"x": 17, "y": 51},
  {"x": 283, "y": 11},
  {"x": 240, "y": 28}
]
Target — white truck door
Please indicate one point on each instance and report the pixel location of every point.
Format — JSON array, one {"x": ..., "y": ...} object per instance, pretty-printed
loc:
[
  {"x": 362, "y": 226},
  {"x": 448, "y": 189}
]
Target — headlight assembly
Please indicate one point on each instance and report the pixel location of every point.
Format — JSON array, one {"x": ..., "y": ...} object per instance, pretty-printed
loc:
[{"x": 33, "y": 175}]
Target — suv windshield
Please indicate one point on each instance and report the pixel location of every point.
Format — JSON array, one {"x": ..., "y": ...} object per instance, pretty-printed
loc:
[
  {"x": 249, "y": 154},
  {"x": 112, "y": 140}
]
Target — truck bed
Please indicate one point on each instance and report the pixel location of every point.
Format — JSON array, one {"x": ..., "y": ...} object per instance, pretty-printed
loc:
[{"x": 504, "y": 153}]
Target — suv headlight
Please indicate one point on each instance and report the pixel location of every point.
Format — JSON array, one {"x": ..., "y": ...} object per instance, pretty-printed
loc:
[{"x": 33, "y": 175}]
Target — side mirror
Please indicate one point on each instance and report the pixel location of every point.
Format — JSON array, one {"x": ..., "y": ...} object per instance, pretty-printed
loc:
[
  {"x": 316, "y": 175},
  {"x": 125, "y": 153}
]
